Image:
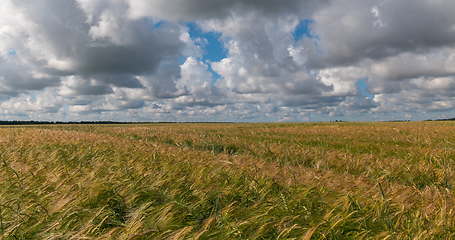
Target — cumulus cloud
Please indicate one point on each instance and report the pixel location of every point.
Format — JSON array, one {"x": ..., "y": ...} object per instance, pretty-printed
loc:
[
  {"x": 402, "y": 47},
  {"x": 136, "y": 59},
  {"x": 59, "y": 38},
  {"x": 353, "y": 30}
]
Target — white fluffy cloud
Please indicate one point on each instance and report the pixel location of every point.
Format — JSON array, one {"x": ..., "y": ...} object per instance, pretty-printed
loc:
[{"x": 135, "y": 60}]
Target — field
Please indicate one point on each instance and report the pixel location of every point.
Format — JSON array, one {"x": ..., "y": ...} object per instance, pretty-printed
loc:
[{"x": 228, "y": 181}]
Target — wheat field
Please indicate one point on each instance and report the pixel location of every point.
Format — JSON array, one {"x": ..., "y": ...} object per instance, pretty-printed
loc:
[{"x": 228, "y": 181}]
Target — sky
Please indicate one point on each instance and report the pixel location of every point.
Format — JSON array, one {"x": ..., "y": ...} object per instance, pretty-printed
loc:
[{"x": 218, "y": 60}]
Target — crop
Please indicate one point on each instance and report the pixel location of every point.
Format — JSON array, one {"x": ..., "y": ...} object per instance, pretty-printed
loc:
[{"x": 228, "y": 181}]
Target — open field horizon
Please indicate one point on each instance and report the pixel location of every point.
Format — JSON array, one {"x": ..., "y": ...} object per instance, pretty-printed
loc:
[{"x": 347, "y": 180}]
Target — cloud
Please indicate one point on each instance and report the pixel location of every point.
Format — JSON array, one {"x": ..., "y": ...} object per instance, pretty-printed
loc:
[
  {"x": 218, "y": 9},
  {"x": 380, "y": 29},
  {"x": 61, "y": 39},
  {"x": 140, "y": 60},
  {"x": 403, "y": 48},
  {"x": 265, "y": 66}
]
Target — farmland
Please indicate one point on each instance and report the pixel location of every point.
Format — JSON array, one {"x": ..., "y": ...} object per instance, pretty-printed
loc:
[{"x": 228, "y": 181}]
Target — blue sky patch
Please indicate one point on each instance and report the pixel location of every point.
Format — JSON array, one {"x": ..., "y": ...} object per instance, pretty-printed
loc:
[
  {"x": 303, "y": 30},
  {"x": 215, "y": 75},
  {"x": 212, "y": 46},
  {"x": 362, "y": 88},
  {"x": 12, "y": 52},
  {"x": 158, "y": 24}
]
